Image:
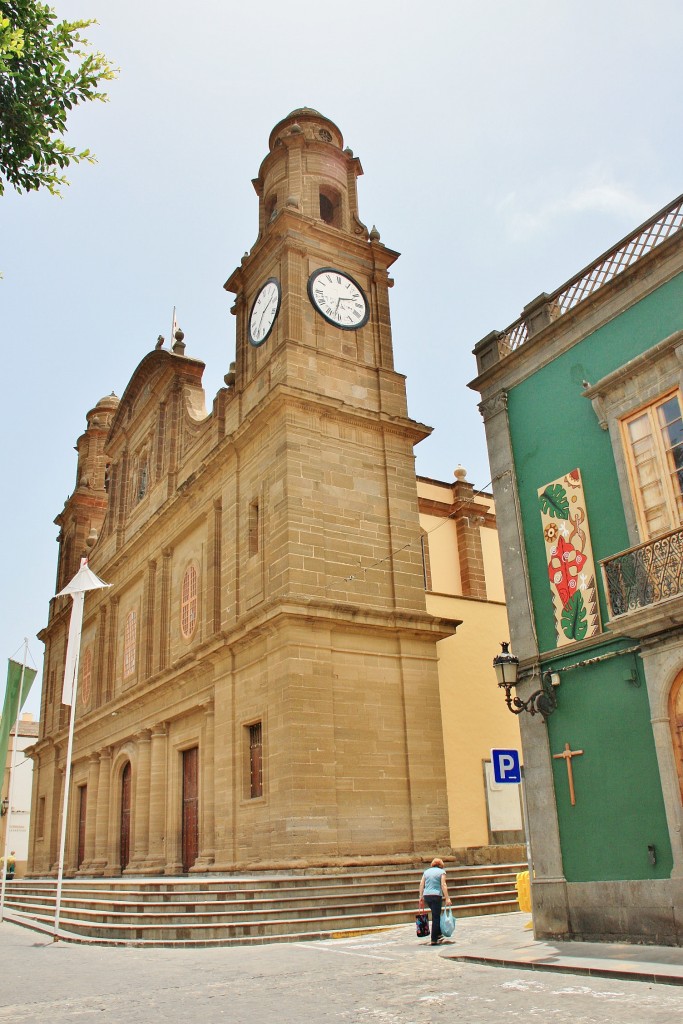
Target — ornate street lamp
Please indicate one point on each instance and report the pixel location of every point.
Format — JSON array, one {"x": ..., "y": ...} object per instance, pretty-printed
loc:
[{"x": 541, "y": 702}]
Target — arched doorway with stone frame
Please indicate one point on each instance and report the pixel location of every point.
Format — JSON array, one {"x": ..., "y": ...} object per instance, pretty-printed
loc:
[
  {"x": 121, "y": 834},
  {"x": 676, "y": 723}
]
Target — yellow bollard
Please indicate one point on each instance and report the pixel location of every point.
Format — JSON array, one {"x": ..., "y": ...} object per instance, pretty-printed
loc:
[{"x": 523, "y": 887}]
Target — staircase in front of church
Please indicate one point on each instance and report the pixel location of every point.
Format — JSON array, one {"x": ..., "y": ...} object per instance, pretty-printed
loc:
[{"x": 255, "y": 908}]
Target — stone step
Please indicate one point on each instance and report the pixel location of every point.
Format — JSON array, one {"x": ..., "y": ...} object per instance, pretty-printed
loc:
[
  {"x": 255, "y": 931},
  {"x": 168, "y": 890},
  {"x": 248, "y": 908},
  {"x": 174, "y": 913},
  {"x": 167, "y": 885},
  {"x": 187, "y": 902}
]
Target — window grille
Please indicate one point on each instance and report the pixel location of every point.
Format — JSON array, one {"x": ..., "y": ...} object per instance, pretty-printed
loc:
[
  {"x": 255, "y": 760},
  {"x": 129, "y": 641},
  {"x": 188, "y": 603}
]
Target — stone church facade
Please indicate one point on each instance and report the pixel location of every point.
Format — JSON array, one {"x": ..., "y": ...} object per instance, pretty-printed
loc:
[{"x": 259, "y": 685}]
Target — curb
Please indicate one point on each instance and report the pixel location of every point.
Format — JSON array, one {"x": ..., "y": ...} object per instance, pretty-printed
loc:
[{"x": 653, "y": 978}]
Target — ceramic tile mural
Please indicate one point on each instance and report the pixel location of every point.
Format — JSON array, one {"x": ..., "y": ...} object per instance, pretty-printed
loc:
[{"x": 571, "y": 569}]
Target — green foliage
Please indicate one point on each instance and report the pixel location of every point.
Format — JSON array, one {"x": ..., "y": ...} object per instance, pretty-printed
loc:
[
  {"x": 46, "y": 69},
  {"x": 574, "y": 622},
  {"x": 554, "y": 502}
]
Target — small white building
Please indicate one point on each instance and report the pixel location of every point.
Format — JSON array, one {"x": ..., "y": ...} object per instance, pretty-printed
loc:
[{"x": 18, "y": 816}]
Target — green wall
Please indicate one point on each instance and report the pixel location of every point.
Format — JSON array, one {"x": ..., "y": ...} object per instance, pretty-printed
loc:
[{"x": 619, "y": 809}]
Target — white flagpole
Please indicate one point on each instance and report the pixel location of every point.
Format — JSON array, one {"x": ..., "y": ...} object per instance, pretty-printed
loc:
[
  {"x": 173, "y": 330},
  {"x": 75, "y": 628},
  {"x": 83, "y": 581},
  {"x": 10, "y": 790}
]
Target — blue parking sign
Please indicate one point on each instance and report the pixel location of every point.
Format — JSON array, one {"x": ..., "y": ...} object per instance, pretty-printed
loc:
[{"x": 506, "y": 766}]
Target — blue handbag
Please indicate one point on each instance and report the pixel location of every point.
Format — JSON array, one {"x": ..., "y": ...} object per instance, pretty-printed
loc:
[{"x": 447, "y": 922}]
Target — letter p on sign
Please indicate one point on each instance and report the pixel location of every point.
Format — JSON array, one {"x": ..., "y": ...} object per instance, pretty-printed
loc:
[{"x": 506, "y": 766}]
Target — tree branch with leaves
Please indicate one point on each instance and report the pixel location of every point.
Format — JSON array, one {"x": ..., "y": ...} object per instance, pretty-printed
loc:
[{"x": 47, "y": 67}]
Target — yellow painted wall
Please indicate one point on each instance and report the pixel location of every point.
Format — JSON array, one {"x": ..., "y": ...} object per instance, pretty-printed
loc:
[
  {"x": 443, "y": 554},
  {"x": 493, "y": 569},
  {"x": 474, "y": 714}
]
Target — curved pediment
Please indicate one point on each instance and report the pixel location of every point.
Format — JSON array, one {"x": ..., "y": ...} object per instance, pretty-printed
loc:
[{"x": 156, "y": 376}]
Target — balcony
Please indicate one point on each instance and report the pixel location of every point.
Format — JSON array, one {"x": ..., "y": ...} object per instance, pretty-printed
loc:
[{"x": 644, "y": 585}]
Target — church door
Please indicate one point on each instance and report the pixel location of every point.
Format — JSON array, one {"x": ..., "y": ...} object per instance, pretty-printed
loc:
[
  {"x": 82, "y": 806},
  {"x": 190, "y": 807},
  {"x": 125, "y": 816}
]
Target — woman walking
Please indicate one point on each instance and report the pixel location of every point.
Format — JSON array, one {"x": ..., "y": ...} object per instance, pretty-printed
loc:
[{"x": 433, "y": 890}]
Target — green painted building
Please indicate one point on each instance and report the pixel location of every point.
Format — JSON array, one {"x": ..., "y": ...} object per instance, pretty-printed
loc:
[{"x": 582, "y": 403}]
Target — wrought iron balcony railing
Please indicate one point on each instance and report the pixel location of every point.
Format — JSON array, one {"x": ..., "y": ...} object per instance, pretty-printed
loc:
[
  {"x": 645, "y": 575},
  {"x": 626, "y": 252}
]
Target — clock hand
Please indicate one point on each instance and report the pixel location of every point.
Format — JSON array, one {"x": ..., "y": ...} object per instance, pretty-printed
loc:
[{"x": 262, "y": 315}]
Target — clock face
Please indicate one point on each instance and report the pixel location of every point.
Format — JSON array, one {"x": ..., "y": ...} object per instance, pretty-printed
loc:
[
  {"x": 263, "y": 312},
  {"x": 338, "y": 298}
]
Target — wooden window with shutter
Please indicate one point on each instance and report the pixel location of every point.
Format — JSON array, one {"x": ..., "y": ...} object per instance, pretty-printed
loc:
[{"x": 653, "y": 442}]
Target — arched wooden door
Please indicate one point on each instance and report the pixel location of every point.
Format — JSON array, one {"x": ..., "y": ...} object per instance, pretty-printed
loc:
[
  {"x": 676, "y": 719},
  {"x": 125, "y": 816},
  {"x": 190, "y": 838}
]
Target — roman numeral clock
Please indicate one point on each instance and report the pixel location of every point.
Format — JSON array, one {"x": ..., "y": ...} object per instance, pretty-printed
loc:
[
  {"x": 338, "y": 298},
  {"x": 334, "y": 294}
]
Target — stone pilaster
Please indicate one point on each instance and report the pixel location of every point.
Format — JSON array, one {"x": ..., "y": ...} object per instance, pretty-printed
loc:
[
  {"x": 99, "y": 864},
  {"x": 207, "y": 770},
  {"x": 141, "y": 804},
  {"x": 213, "y": 586},
  {"x": 164, "y": 608},
  {"x": 147, "y": 638},
  {"x": 156, "y": 857},
  {"x": 100, "y": 658},
  {"x": 91, "y": 813},
  {"x": 110, "y": 669}
]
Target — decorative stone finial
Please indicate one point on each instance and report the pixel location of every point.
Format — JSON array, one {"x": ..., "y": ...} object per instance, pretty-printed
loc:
[
  {"x": 160, "y": 342},
  {"x": 295, "y": 129},
  {"x": 374, "y": 234},
  {"x": 179, "y": 344},
  {"x": 91, "y": 539},
  {"x": 460, "y": 473},
  {"x": 230, "y": 376}
]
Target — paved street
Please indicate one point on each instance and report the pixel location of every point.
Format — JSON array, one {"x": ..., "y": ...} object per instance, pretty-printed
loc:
[{"x": 387, "y": 978}]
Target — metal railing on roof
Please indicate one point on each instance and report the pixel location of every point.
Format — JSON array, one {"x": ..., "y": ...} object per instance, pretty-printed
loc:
[{"x": 624, "y": 254}]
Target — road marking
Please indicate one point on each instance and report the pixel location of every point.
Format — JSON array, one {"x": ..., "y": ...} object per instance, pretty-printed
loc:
[{"x": 343, "y": 952}]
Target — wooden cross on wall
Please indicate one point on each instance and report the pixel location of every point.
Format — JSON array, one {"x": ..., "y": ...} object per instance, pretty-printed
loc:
[{"x": 568, "y": 754}]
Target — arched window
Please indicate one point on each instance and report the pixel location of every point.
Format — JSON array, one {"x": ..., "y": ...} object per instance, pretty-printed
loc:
[
  {"x": 129, "y": 644},
  {"x": 330, "y": 207},
  {"x": 86, "y": 678},
  {"x": 271, "y": 208},
  {"x": 188, "y": 602},
  {"x": 143, "y": 476}
]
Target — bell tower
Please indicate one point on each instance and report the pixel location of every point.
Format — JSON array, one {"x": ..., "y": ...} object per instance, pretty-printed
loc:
[
  {"x": 329, "y": 589},
  {"x": 308, "y": 223}
]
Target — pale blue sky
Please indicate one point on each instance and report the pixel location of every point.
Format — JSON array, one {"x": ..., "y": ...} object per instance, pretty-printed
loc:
[{"x": 504, "y": 147}]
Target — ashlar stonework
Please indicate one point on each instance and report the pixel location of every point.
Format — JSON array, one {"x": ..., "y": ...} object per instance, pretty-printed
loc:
[{"x": 262, "y": 679}]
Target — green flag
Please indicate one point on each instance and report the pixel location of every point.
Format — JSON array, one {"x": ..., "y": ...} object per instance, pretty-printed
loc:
[{"x": 12, "y": 703}]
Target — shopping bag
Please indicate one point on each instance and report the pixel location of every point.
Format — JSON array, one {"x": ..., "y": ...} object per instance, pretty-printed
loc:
[
  {"x": 421, "y": 925},
  {"x": 447, "y": 922}
]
